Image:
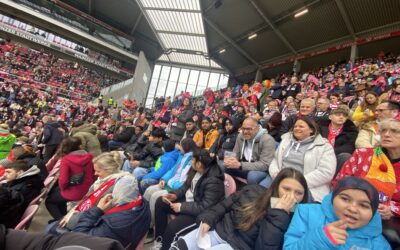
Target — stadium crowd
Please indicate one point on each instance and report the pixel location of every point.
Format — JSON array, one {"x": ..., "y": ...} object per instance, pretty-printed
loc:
[{"x": 300, "y": 161}]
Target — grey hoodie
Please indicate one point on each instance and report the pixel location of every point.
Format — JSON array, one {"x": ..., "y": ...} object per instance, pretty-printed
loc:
[
  {"x": 293, "y": 157},
  {"x": 31, "y": 171},
  {"x": 258, "y": 152}
]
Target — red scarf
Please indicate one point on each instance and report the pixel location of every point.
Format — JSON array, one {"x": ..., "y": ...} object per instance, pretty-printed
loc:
[
  {"x": 333, "y": 133},
  {"x": 157, "y": 123},
  {"x": 126, "y": 206},
  {"x": 95, "y": 196}
]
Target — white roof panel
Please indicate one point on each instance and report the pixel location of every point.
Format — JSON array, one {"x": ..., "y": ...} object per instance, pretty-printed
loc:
[
  {"x": 189, "y": 59},
  {"x": 195, "y": 43},
  {"x": 173, "y": 21},
  {"x": 172, "y": 4}
]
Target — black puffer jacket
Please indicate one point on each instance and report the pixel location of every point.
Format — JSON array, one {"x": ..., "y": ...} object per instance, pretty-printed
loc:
[
  {"x": 226, "y": 141},
  {"x": 149, "y": 155},
  {"x": 346, "y": 140},
  {"x": 266, "y": 234},
  {"x": 178, "y": 130},
  {"x": 51, "y": 134},
  {"x": 209, "y": 191}
]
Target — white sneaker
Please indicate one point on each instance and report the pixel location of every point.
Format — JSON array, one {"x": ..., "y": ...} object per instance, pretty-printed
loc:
[{"x": 157, "y": 244}]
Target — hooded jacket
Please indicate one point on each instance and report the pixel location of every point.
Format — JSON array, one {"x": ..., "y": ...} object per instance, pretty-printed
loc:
[
  {"x": 262, "y": 151},
  {"x": 266, "y": 234},
  {"x": 345, "y": 141},
  {"x": 176, "y": 176},
  {"x": 73, "y": 164},
  {"x": 163, "y": 164},
  {"x": 306, "y": 230},
  {"x": 11, "y": 207},
  {"x": 178, "y": 130},
  {"x": 6, "y": 143},
  {"x": 51, "y": 134},
  {"x": 87, "y": 134},
  {"x": 226, "y": 140},
  {"x": 208, "y": 191},
  {"x": 28, "y": 184},
  {"x": 319, "y": 164}
]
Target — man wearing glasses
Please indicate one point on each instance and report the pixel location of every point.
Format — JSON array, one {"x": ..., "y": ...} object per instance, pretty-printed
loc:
[
  {"x": 254, "y": 150},
  {"x": 368, "y": 136}
]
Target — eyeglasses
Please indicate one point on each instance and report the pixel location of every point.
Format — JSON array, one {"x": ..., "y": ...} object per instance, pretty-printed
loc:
[
  {"x": 391, "y": 131},
  {"x": 247, "y": 129},
  {"x": 381, "y": 110}
]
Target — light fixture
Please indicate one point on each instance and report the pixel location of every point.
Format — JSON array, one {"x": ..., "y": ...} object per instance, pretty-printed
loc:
[
  {"x": 252, "y": 36},
  {"x": 198, "y": 53},
  {"x": 173, "y": 50},
  {"x": 300, "y": 13},
  {"x": 222, "y": 51}
]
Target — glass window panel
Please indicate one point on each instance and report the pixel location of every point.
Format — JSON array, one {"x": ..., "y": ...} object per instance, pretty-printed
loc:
[
  {"x": 156, "y": 71},
  {"x": 214, "y": 80},
  {"x": 165, "y": 72},
  {"x": 183, "y": 78},
  {"x": 202, "y": 85},
  {"x": 223, "y": 83},
  {"x": 174, "y": 75},
  {"x": 181, "y": 87},
  {"x": 194, "y": 74}
]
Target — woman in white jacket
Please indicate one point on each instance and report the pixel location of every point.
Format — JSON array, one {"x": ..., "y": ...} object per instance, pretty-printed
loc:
[{"x": 306, "y": 150}]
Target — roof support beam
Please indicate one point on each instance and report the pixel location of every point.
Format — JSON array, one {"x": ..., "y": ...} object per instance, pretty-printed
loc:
[
  {"x": 227, "y": 38},
  {"x": 136, "y": 24},
  {"x": 273, "y": 27},
  {"x": 90, "y": 7},
  {"x": 346, "y": 18}
]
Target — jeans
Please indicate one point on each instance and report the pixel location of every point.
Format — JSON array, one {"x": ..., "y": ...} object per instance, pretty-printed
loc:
[
  {"x": 139, "y": 172},
  {"x": 126, "y": 167},
  {"x": 190, "y": 240},
  {"x": 55, "y": 203},
  {"x": 144, "y": 184},
  {"x": 252, "y": 177},
  {"x": 113, "y": 145},
  {"x": 266, "y": 182}
]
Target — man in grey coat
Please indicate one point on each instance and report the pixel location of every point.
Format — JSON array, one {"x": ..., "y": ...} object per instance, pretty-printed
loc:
[{"x": 254, "y": 150}]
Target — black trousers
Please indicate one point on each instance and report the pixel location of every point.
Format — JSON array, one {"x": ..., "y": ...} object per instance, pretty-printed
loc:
[
  {"x": 55, "y": 203},
  {"x": 49, "y": 151},
  {"x": 166, "y": 230}
]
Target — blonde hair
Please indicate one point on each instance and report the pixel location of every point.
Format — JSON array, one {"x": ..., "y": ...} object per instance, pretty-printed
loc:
[
  {"x": 110, "y": 162},
  {"x": 4, "y": 126}
]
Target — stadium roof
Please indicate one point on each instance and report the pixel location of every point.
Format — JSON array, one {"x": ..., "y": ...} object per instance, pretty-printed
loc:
[{"x": 242, "y": 36}]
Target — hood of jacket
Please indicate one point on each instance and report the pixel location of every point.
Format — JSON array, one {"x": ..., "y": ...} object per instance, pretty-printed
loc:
[
  {"x": 372, "y": 229},
  {"x": 172, "y": 155},
  {"x": 89, "y": 128},
  {"x": 235, "y": 124},
  {"x": 78, "y": 157},
  {"x": 31, "y": 171},
  {"x": 54, "y": 124}
]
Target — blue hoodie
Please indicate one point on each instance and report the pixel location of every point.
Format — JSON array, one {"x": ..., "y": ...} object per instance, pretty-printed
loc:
[
  {"x": 176, "y": 176},
  {"x": 306, "y": 231},
  {"x": 167, "y": 161}
]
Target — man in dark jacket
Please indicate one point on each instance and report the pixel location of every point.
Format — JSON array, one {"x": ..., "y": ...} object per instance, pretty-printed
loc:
[
  {"x": 52, "y": 137},
  {"x": 191, "y": 129},
  {"x": 341, "y": 134},
  {"x": 122, "y": 137},
  {"x": 294, "y": 88},
  {"x": 25, "y": 180},
  {"x": 178, "y": 127},
  {"x": 322, "y": 112}
]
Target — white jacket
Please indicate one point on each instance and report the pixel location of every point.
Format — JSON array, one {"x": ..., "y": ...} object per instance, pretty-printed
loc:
[{"x": 319, "y": 164}]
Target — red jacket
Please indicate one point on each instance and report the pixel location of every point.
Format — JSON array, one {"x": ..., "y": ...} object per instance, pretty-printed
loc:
[{"x": 72, "y": 164}]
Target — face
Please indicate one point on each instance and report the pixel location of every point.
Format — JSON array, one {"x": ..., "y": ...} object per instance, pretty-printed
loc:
[
  {"x": 341, "y": 83},
  {"x": 293, "y": 80},
  {"x": 390, "y": 136},
  {"x": 138, "y": 131},
  {"x": 291, "y": 105},
  {"x": 11, "y": 174},
  {"x": 299, "y": 96},
  {"x": 306, "y": 108},
  {"x": 322, "y": 105},
  {"x": 186, "y": 102},
  {"x": 338, "y": 119},
  {"x": 334, "y": 99},
  {"x": 382, "y": 112},
  {"x": 272, "y": 105},
  {"x": 205, "y": 124},
  {"x": 99, "y": 172},
  {"x": 370, "y": 99},
  {"x": 301, "y": 130},
  {"x": 353, "y": 206},
  {"x": 196, "y": 165},
  {"x": 291, "y": 186},
  {"x": 228, "y": 126},
  {"x": 249, "y": 129},
  {"x": 189, "y": 126}
]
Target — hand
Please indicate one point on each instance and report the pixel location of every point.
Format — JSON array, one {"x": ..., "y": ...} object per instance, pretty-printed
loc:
[
  {"x": 176, "y": 207},
  {"x": 161, "y": 184},
  {"x": 135, "y": 164},
  {"x": 169, "y": 197},
  {"x": 338, "y": 232},
  {"x": 385, "y": 212},
  {"x": 286, "y": 202},
  {"x": 231, "y": 162},
  {"x": 205, "y": 228},
  {"x": 212, "y": 155},
  {"x": 105, "y": 202}
]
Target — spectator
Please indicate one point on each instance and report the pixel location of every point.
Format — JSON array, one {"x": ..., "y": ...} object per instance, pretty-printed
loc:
[
  {"x": 122, "y": 215},
  {"x": 191, "y": 129},
  {"x": 341, "y": 134},
  {"x": 294, "y": 88},
  {"x": 322, "y": 112},
  {"x": 87, "y": 134},
  {"x": 360, "y": 90},
  {"x": 393, "y": 94},
  {"x": 166, "y": 161},
  {"x": 185, "y": 112},
  {"x": 307, "y": 107},
  {"x": 7, "y": 140},
  {"x": 247, "y": 219},
  {"x": 52, "y": 137},
  {"x": 306, "y": 150},
  {"x": 164, "y": 115},
  {"x": 206, "y": 136},
  {"x": 274, "y": 126},
  {"x": 174, "y": 178},
  {"x": 254, "y": 150},
  {"x": 365, "y": 112},
  {"x": 203, "y": 188},
  {"x": 76, "y": 176},
  {"x": 341, "y": 88},
  {"x": 23, "y": 180},
  {"x": 368, "y": 137},
  {"x": 347, "y": 218},
  {"x": 122, "y": 137}
]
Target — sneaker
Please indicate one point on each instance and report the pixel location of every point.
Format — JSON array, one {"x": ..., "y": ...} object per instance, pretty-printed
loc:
[{"x": 157, "y": 244}]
